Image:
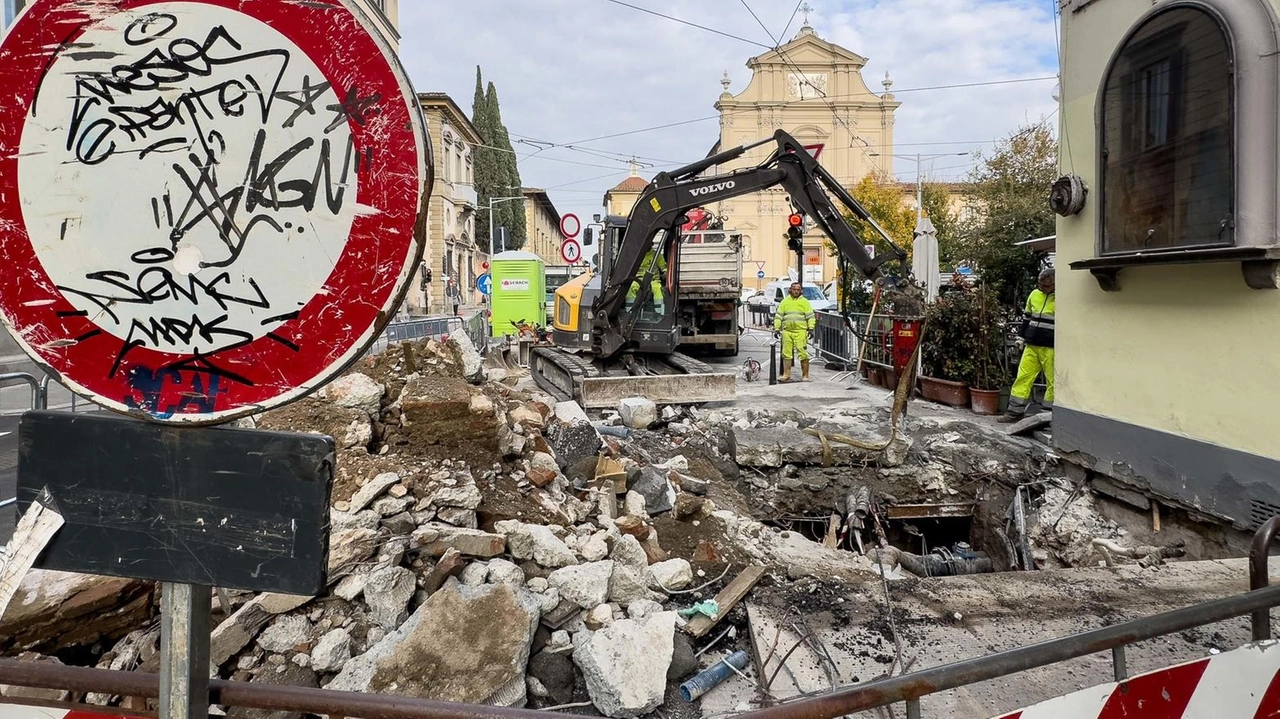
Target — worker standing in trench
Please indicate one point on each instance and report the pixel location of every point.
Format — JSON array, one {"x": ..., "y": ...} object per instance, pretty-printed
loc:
[
  {"x": 794, "y": 320},
  {"x": 1037, "y": 355}
]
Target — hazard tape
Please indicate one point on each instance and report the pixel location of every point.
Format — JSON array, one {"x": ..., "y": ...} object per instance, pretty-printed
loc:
[
  {"x": 19, "y": 711},
  {"x": 1240, "y": 684}
]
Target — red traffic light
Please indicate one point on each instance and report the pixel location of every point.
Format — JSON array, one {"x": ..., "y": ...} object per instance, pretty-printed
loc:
[{"x": 796, "y": 220}]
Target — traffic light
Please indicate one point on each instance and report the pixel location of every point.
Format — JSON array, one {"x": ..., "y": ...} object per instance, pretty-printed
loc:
[{"x": 795, "y": 232}]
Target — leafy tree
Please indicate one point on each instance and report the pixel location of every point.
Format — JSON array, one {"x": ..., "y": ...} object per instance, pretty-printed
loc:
[
  {"x": 879, "y": 195},
  {"x": 1011, "y": 188},
  {"x": 509, "y": 214}
]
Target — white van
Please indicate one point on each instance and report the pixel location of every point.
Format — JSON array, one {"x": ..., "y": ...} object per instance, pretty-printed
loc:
[{"x": 774, "y": 292}]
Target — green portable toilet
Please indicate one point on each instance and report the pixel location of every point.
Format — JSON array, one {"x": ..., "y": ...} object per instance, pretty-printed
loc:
[{"x": 519, "y": 291}]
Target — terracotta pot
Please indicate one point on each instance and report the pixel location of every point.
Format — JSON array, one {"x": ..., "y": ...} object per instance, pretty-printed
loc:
[
  {"x": 984, "y": 401},
  {"x": 873, "y": 375},
  {"x": 944, "y": 391},
  {"x": 889, "y": 379}
]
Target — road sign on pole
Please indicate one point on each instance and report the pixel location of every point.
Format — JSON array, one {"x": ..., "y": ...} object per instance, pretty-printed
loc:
[
  {"x": 484, "y": 283},
  {"x": 760, "y": 275},
  {"x": 185, "y": 237},
  {"x": 571, "y": 251},
  {"x": 570, "y": 225}
]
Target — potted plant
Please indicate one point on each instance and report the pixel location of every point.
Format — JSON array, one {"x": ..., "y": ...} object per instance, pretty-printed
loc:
[
  {"x": 948, "y": 349},
  {"x": 991, "y": 370}
]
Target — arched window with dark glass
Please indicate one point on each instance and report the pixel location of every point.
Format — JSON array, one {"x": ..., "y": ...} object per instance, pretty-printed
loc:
[{"x": 1167, "y": 135}]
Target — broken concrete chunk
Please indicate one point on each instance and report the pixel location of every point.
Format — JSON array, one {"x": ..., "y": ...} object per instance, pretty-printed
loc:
[
  {"x": 332, "y": 651},
  {"x": 388, "y": 592},
  {"x": 468, "y": 356},
  {"x": 659, "y": 495},
  {"x": 586, "y": 585},
  {"x": 372, "y": 490},
  {"x": 236, "y": 631},
  {"x": 355, "y": 391},
  {"x": 634, "y": 505},
  {"x": 628, "y": 552},
  {"x": 349, "y": 547},
  {"x": 526, "y": 416},
  {"x": 451, "y": 564},
  {"x": 625, "y": 664},
  {"x": 570, "y": 412},
  {"x": 633, "y": 525},
  {"x": 638, "y": 412},
  {"x": 400, "y": 524},
  {"x": 466, "y": 496},
  {"x": 459, "y": 517},
  {"x": 773, "y": 447},
  {"x": 599, "y": 617},
  {"x": 536, "y": 542},
  {"x": 435, "y": 539},
  {"x": 503, "y": 572},
  {"x": 286, "y": 634},
  {"x": 672, "y": 574},
  {"x": 469, "y": 645},
  {"x": 642, "y": 608},
  {"x": 388, "y": 506},
  {"x": 627, "y": 585},
  {"x": 595, "y": 548}
]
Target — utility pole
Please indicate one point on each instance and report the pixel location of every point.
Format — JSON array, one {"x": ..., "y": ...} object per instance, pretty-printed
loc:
[{"x": 919, "y": 193}]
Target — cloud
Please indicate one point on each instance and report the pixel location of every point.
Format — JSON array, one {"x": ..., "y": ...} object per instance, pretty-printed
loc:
[{"x": 573, "y": 71}]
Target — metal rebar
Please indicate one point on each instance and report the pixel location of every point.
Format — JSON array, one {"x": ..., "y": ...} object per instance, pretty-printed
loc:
[{"x": 1260, "y": 574}]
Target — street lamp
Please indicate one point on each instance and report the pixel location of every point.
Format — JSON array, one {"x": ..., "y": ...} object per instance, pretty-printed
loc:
[
  {"x": 918, "y": 158},
  {"x": 494, "y": 201}
]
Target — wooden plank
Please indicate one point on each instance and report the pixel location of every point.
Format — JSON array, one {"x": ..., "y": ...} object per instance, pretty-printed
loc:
[
  {"x": 833, "y": 532},
  {"x": 727, "y": 599}
]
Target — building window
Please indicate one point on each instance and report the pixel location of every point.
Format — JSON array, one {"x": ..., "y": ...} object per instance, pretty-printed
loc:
[{"x": 1168, "y": 137}]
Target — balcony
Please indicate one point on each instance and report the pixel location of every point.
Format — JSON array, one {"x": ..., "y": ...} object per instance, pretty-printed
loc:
[{"x": 465, "y": 195}]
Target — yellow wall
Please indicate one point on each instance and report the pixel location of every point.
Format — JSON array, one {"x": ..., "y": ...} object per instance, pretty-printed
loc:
[
  {"x": 1190, "y": 350},
  {"x": 544, "y": 228}
]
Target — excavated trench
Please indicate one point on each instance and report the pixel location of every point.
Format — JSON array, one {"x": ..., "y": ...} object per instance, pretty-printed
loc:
[{"x": 956, "y": 534}]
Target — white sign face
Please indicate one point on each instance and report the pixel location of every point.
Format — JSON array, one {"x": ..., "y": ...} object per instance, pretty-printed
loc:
[
  {"x": 209, "y": 207},
  {"x": 571, "y": 251},
  {"x": 291, "y": 205},
  {"x": 514, "y": 285},
  {"x": 570, "y": 225}
]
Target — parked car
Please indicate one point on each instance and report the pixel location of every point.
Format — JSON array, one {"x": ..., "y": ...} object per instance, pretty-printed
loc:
[{"x": 771, "y": 296}]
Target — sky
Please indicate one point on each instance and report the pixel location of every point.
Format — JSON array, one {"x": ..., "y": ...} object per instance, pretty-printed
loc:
[{"x": 604, "y": 78}]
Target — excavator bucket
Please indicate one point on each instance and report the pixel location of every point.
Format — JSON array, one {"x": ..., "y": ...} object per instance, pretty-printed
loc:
[
  {"x": 604, "y": 392},
  {"x": 684, "y": 381}
]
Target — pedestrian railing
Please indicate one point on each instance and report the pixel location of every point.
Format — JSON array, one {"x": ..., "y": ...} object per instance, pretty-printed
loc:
[
  {"x": 907, "y": 688},
  {"x": 415, "y": 329},
  {"x": 844, "y": 339}
]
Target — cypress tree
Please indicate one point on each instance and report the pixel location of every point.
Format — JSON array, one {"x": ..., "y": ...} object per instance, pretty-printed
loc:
[
  {"x": 488, "y": 171},
  {"x": 512, "y": 212}
]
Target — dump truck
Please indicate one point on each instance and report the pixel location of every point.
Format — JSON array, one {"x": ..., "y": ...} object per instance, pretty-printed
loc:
[{"x": 709, "y": 290}]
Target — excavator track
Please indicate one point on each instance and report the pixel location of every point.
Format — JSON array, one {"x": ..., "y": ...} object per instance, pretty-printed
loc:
[{"x": 676, "y": 379}]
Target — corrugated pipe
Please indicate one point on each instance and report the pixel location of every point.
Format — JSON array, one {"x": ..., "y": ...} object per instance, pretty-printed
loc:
[{"x": 711, "y": 677}]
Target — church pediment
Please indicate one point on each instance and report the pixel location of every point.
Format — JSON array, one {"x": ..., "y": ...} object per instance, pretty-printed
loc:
[{"x": 809, "y": 49}]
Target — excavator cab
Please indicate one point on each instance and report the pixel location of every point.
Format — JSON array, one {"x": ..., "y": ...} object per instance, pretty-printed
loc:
[{"x": 649, "y": 308}]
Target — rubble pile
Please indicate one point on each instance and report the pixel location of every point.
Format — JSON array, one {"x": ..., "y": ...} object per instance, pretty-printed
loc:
[{"x": 491, "y": 545}]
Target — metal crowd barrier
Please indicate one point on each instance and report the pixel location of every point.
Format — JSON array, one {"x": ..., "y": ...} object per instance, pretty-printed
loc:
[
  {"x": 841, "y": 342},
  {"x": 416, "y": 329}
]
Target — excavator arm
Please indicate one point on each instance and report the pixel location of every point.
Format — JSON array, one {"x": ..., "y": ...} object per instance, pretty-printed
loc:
[{"x": 662, "y": 206}]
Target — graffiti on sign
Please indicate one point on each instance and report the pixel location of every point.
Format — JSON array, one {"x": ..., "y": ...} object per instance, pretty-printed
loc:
[{"x": 208, "y": 206}]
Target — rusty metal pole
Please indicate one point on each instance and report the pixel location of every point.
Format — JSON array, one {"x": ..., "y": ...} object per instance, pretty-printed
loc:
[
  {"x": 184, "y": 650},
  {"x": 1260, "y": 575}
]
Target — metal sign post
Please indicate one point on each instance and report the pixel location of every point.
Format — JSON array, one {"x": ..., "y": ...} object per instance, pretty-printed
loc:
[{"x": 192, "y": 192}]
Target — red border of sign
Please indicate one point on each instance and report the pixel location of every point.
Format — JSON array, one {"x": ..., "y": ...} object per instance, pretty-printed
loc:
[
  {"x": 369, "y": 278},
  {"x": 566, "y": 216},
  {"x": 565, "y": 257}
]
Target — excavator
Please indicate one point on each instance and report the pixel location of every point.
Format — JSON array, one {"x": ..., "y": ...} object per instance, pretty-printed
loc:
[{"x": 615, "y": 333}]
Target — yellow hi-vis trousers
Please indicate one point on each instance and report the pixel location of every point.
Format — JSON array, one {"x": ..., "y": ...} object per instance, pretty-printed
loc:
[
  {"x": 1034, "y": 361},
  {"x": 793, "y": 341}
]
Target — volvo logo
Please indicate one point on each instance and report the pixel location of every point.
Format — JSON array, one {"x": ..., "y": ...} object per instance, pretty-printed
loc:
[{"x": 697, "y": 191}]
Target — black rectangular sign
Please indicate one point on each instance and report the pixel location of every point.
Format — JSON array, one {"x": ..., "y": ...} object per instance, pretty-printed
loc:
[{"x": 214, "y": 506}]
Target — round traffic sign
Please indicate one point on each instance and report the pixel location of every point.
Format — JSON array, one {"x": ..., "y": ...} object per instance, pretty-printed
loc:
[
  {"x": 760, "y": 275},
  {"x": 484, "y": 283},
  {"x": 210, "y": 207},
  {"x": 571, "y": 251},
  {"x": 570, "y": 225}
]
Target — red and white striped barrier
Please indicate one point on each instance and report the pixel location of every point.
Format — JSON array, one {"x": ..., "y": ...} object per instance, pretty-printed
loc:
[
  {"x": 1240, "y": 684},
  {"x": 17, "y": 711}
]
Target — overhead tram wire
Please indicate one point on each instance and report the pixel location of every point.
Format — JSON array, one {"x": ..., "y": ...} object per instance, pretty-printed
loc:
[{"x": 690, "y": 24}]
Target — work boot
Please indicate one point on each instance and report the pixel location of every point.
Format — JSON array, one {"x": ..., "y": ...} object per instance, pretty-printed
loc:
[
  {"x": 1009, "y": 417},
  {"x": 804, "y": 367},
  {"x": 786, "y": 371}
]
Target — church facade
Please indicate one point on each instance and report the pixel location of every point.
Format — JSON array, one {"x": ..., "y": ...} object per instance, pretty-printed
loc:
[{"x": 814, "y": 90}]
